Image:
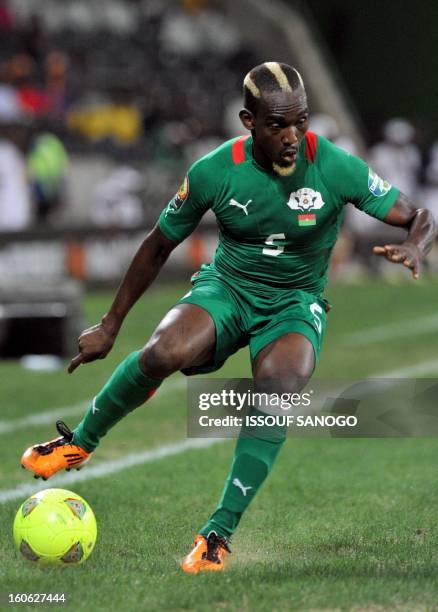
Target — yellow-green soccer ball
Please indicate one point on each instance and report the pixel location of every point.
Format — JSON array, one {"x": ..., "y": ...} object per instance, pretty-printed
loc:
[{"x": 55, "y": 527}]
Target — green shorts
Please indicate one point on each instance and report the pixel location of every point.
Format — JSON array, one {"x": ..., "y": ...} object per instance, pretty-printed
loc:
[{"x": 248, "y": 314}]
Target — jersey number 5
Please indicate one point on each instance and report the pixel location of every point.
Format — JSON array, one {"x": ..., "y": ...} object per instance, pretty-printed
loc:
[
  {"x": 316, "y": 310},
  {"x": 274, "y": 249}
]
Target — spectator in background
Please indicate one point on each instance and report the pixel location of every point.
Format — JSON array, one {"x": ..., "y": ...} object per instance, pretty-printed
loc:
[
  {"x": 56, "y": 68},
  {"x": 34, "y": 38},
  {"x": 328, "y": 127},
  {"x": 22, "y": 73},
  {"x": 117, "y": 202},
  {"x": 429, "y": 197},
  {"x": 197, "y": 28},
  {"x": 10, "y": 105},
  {"x": 22, "y": 90},
  {"x": 116, "y": 118},
  {"x": 47, "y": 165},
  {"x": 6, "y": 18},
  {"x": 232, "y": 125},
  {"x": 433, "y": 157},
  {"x": 397, "y": 158},
  {"x": 180, "y": 34},
  {"x": 15, "y": 201},
  {"x": 429, "y": 193}
]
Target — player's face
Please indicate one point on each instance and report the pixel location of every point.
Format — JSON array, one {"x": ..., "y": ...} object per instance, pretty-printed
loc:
[{"x": 278, "y": 128}]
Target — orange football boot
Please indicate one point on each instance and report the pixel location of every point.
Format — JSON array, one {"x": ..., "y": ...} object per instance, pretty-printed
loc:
[
  {"x": 207, "y": 554},
  {"x": 47, "y": 458}
]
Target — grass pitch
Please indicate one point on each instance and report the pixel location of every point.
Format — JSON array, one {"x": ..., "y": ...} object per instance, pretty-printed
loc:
[{"x": 339, "y": 524}]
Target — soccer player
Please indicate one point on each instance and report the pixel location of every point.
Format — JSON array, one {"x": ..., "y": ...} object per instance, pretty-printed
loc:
[{"x": 278, "y": 195}]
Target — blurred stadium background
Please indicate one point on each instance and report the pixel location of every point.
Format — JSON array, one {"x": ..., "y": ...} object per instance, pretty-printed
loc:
[{"x": 103, "y": 106}]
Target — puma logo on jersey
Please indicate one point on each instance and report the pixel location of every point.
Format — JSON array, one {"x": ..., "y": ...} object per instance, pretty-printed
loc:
[
  {"x": 234, "y": 202},
  {"x": 305, "y": 199},
  {"x": 237, "y": 483}
]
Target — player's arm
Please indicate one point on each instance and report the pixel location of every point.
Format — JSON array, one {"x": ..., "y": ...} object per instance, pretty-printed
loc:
[
  {"x": 97, "y": 341},
  {"x": 422, "y": 231}
]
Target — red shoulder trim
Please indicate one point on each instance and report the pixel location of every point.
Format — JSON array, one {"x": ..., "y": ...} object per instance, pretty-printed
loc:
[
  {"x": 311, "y": 145},
  {"x": 238, "y": 149}
]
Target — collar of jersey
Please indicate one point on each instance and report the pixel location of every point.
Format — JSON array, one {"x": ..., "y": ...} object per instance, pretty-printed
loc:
[{"x": 250, "y": 158}]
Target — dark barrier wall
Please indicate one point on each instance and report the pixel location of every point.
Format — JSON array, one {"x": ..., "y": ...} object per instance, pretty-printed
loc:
[{"x": 387, "y": 54}]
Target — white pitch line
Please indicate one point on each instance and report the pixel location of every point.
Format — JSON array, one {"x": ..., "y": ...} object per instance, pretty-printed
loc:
[
  {"x": 402, "y": 329},
  {"x": 134, "y": 459},
  {"x": 422, "y": 368},
  {"x": 108, "y": 468},
  {"x": 41, "y": 418},
  {"x": 50, "y": 416}
]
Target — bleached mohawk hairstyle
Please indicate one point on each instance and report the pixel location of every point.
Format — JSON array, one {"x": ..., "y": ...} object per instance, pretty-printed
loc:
[{"x": 269, "y": 77}]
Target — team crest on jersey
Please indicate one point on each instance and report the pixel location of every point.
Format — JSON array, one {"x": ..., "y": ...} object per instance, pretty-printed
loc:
[
  {"x": 377, "y": 186},
  {"x": 181, "y": 196},
  {"x": 306, "y": 200}
]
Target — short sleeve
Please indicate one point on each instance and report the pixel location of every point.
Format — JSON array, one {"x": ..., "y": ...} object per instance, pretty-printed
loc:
[
  {"x": 355, "y": 182},
  {"x": 185, "y": 210}
]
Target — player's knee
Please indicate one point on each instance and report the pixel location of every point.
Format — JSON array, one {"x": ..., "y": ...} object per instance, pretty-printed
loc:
[
  {"x": 161, "y": 357},
  {"x": 271, "y": 376}
]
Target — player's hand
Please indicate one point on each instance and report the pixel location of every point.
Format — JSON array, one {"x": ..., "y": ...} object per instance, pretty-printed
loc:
[
  {"x": 94, "y": 343},
  {"x": 406, "y": 253}
]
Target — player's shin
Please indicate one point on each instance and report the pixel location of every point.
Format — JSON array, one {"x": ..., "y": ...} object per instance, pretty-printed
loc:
[
  {"x": 128, "y": 388},
  {"x": 254, "y": 457}
]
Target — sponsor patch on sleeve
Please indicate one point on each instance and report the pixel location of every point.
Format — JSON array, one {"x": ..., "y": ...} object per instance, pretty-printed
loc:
[
  {"x": 181, "y": 195},
  {"x": 377, "y": 186}
]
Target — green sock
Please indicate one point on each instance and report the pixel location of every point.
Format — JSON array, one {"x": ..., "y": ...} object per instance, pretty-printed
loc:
[
  {"x": 128, "y": 388},
  {"x": 254, "y": 456}
]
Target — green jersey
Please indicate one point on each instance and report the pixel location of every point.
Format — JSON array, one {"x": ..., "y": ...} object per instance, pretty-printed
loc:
[{"x": 274, "y": 230}]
